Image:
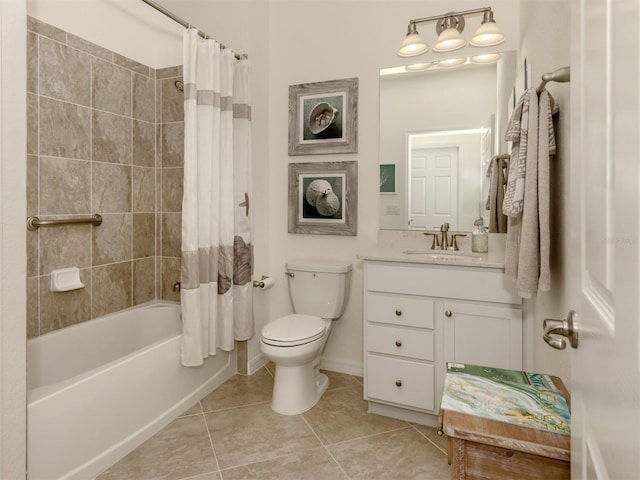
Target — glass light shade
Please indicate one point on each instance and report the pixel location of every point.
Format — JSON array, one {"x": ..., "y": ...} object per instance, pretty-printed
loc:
[
  {"x": 487, "y": 35},
  {"x": 486, "y": 58},
  {"x": 418, "y": 67},
  {"x": 449, "y": 40},
  {"x": 412, "y": 45},
  {"x": 451, "y": 62}
]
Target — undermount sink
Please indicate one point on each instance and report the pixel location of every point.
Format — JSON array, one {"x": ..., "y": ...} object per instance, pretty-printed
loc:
[{"x": 444, "y": 255}]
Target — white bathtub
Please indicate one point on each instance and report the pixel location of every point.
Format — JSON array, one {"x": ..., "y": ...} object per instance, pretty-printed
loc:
[{"x": 100, "y": 388}]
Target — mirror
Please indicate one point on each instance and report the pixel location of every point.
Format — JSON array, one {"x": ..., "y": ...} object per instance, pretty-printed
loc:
[{"x": 439, "y": 130}]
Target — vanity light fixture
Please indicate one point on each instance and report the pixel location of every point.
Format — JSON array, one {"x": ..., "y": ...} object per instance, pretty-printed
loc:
[
  {"x": 452, "y": 62},
  {"x": 418, "y": 67},
  {"x": 449, "y": 27},
  {"x": 486, "y": 58}
]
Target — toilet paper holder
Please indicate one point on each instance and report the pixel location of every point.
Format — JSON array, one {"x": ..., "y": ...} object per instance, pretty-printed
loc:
[
  {"x": 260, "y": 283},
  {"x": 264, "y": 283}
]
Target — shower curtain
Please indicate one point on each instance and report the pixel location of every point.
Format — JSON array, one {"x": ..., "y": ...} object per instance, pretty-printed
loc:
[{"x": 216, "y": 270}]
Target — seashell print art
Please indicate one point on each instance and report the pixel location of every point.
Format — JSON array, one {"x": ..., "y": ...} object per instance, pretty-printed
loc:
[{"x": 321, "y": 117}]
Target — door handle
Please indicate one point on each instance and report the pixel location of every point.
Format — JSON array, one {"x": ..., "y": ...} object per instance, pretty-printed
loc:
[{"x": 565, "y": 328}]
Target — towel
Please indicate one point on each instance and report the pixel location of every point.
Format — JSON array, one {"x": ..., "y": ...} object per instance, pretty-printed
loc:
[
  {"x": 527, "y": 248},
  {"x": 497, "y": 221}
]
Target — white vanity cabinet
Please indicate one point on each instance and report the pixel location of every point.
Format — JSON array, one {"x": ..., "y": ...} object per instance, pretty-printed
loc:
[{"x": 418, "y": 317}]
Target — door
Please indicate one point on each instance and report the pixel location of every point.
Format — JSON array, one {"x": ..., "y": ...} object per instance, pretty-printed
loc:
[
  {"x": 482, "y": 334},
  {"x": 433, "y": 188},
  {"x": 604, "y": 213}
]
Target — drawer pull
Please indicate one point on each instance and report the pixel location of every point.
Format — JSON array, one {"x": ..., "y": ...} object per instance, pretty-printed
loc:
[
  {"x": 448, "y": 313},
  {"x": 398, "y": 312},
  {"x": 398, "y": 383},
  {"x": 398, "y": 343}
]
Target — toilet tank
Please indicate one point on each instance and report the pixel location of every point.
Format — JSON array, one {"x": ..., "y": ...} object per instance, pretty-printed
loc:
[{"x": 319, "y": 287}]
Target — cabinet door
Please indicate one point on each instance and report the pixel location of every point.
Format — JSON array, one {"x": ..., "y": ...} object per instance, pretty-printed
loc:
[{"x": 482, "y": 334}]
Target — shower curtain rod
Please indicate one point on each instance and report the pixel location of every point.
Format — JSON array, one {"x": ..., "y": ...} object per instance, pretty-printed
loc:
[{"x": 185, "y": 24}]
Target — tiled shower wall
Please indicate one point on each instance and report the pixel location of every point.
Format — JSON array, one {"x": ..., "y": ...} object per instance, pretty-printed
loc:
[{"x": 105, "y": 136}]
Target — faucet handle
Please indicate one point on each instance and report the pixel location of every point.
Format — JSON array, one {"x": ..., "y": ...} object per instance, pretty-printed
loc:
[
  {"x": 435, "y": 244},
  {"x": 454, "y": 239}
]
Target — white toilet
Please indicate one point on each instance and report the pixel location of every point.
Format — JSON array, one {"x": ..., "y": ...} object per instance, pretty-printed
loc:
[{"x": 319, "y": 290}]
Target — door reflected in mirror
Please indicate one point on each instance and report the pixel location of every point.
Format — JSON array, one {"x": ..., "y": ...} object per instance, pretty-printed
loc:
[{"x": 440, "y": 128}]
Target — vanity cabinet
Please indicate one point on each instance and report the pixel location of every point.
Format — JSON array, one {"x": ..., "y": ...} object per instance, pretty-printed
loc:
[{"x": 420, "y": 316}]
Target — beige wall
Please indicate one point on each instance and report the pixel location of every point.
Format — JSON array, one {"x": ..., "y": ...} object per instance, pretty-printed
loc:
[{"x": 545, "y": 27}]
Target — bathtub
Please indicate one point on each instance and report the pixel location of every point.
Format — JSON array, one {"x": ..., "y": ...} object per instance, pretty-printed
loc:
[{"x": 98, "y": 389}]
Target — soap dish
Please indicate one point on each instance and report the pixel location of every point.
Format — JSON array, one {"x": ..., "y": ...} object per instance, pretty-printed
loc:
[{"x": 66, "y": 279}]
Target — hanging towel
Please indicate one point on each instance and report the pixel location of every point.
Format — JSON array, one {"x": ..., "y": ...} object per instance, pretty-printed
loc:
[
  {"x": 497, "y": 220},
  {"x": 528, "y": 238}
]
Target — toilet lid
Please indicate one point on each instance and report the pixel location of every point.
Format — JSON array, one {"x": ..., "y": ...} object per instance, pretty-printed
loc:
[{"x": 294, "y": 329}]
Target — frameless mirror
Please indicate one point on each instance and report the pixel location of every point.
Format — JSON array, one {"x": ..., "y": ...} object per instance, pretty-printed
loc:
[{"x": 439, "y": 129}]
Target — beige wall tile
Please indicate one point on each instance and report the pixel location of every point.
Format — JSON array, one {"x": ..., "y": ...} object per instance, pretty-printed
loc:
[
  {"x": 33, "y": 253},
  {"x": 170, "y": 275},
  {"x": 144, "y": 97},
  {"x": 65, "y": 246},
  {"x": 111, "y": 288},
  {"x": 171, "y": 234},
  {"x": 111, "y": 138},
  {"x": 144, "y": 226},
  {"x": 33, "y": 307},
  {"x": 172, "y": 189},
  {"x": 89, "y": 47},
  {"x": 111, "y": 241},
  {"x": 144, "y": 274},
  {"x": 32, "y": 124},
  {"x": 172, "y": 101},
  {"x": 64, "y": 129},
  {"x": 144, "y": 189},
  {"x": 111, "y": 188},
  {"x": 65, "y": 186},
  {"x": 41, "y": 28},
  {"x": 65, "y": 73},
  {"x": 61, "y": 309},
  {"x": 32, "y": 62},
  {"x": 144, "y": 144},
  {"x": 173, "y": 144},
  {"x": 32, "y": 185},
  {"x": 111, "y": 87}
]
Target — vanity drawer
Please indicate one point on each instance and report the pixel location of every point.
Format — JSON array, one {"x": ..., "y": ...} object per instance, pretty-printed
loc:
[
  {"x": 403, "y": 342},
  {"x": 403, "y": 382},
  {"x": 400, "y": 310}
]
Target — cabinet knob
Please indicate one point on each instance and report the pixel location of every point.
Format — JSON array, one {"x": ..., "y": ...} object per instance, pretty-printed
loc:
[
  {"x": 398, "y": 383},
  {"x": 398, "y": 312},
  {"x": 398, "y": 343},
  {"x": 448, "y": 313}
]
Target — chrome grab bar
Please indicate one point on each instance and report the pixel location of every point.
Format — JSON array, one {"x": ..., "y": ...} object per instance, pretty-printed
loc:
[{"x": 33, "y": 223}]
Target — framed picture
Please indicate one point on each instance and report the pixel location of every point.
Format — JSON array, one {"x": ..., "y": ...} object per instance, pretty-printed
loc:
[
  {"x": 387, "y": 178},
  {"x": 323, "y": 117},
  {"x": 323, "y": 198}
]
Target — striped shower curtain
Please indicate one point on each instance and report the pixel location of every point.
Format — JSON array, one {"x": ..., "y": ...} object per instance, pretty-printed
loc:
[{"x": 216, "y": 273}]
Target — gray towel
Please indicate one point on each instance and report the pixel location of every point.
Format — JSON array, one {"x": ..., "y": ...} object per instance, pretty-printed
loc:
[
  {"x": 528, "y": 240},
  {"x": 497, "y": 221}
]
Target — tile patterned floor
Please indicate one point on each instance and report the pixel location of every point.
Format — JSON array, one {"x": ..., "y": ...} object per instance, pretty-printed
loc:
[{"x": 233, "y": 434}]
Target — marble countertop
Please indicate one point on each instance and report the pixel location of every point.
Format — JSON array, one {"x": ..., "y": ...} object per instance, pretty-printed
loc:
[
  {"x": 436, "y": 257},
  {"x": 392, "y": 247}
]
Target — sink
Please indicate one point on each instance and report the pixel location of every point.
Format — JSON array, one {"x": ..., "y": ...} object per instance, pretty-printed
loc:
[{"x": 444, "y": 255}]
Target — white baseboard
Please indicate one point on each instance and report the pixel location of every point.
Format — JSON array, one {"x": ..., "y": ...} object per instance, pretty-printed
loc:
[
  {"x": 256, "y": 363},
  {"x": 342, "y": 366}
]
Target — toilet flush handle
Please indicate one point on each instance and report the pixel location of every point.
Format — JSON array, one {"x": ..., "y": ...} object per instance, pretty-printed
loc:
[{"x": 290, "y": 274}]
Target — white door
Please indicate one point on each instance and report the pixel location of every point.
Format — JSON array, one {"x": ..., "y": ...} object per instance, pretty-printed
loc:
[
  {"x": 605, "y": 211},
  {"x": 433, "y": 188}
]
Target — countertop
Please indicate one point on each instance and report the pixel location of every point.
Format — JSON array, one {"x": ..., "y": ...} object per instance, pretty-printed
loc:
[{"x": 392, "y": 246}]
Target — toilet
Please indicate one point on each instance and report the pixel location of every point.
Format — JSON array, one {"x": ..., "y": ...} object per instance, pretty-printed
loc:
[{"x": 318, "y": 290}]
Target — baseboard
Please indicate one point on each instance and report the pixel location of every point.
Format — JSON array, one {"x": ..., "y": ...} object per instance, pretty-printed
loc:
[
  {"x": 342, "y": 366},
  {"x": 256, "y": 363}
]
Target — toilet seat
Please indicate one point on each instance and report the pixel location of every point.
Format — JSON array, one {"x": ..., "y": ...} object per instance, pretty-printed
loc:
[{"x": 292, "y": 330}]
